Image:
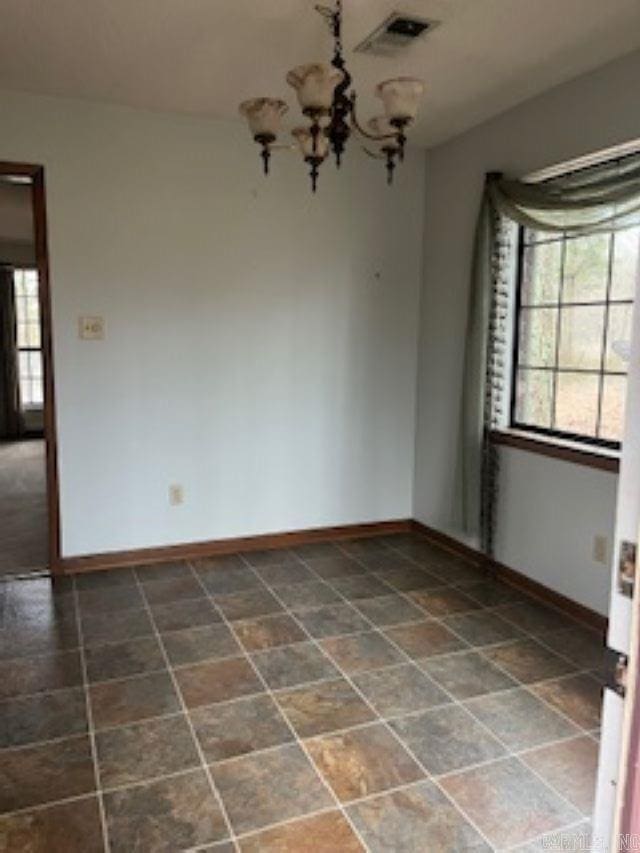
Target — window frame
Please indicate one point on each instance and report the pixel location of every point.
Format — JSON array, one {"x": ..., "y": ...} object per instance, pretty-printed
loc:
[
  {"x": 29, "y": 407},
  {"x": 551, "y": 433}
]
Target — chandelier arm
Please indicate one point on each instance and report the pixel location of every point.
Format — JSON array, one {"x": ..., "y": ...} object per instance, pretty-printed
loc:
[{"x": 373, "y": 136}]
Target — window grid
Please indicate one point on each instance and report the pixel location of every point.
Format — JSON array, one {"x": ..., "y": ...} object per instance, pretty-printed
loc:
[
  {"x": 527, "y": 242},
  {"x": 28, "y": 337}
]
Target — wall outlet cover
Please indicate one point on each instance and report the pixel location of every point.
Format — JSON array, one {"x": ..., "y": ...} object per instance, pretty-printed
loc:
[
  {"x": 176, "y": 494},
  {"x": 600, "y": 549},
  {"x": 91, "y": 328}
]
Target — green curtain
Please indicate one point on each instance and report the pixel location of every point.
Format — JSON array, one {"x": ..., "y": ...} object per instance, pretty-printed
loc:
[{"x": 586, "y": 200}]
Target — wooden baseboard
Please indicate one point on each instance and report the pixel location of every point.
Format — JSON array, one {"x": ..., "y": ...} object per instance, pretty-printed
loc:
[
  {"x": 215, "y": 547},
  {"x": 516, "y": 578}
]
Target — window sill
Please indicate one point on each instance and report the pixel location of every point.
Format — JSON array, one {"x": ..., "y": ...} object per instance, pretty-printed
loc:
[{"x": 567, "y": 451}]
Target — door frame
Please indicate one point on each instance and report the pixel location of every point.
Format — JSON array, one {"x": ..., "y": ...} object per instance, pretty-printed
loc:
[{"x": 36, "y": 174}]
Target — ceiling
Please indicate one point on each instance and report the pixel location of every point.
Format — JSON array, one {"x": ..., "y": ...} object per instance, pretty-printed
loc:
[{"x": 203, "y": 57}]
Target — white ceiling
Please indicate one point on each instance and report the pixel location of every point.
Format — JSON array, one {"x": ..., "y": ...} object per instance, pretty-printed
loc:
[{"x": 204, "y": 56}]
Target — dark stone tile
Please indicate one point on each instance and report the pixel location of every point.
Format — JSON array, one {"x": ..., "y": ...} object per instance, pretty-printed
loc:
[
  {"x": 224, "y": 580},
  {"x": 467, "y": 674},
  {"x": 316, "y": 550},
  {"x": 313, "y": 594},
  {"x": 423, "y": 551},
  {"x": 332, "y": 620},
  {"x": 424, "y": 639},
  {"x": 528, "y": 661},
  {"x": 26, "y": 640},
  {"x": 414, "y": 819},
  {"x": 360, "y": 586},
  {"x": 38, "y": 774},
  {"x": 115, "y": 703},
  {"x": 578, "y": 697},
  {"x": 442, "y": 602},
  {"x": 413, "y": 577},
  {"x": 292, "y": 665},
  {"x": 389, "y": 610},
  {"x": 197, "y": 644},
  {"x": 109, "y": 599},
  {"x": 144, "y": 751},
  {"x": 268, "y": 632},
  {"x": 533, "y": 617},
  {"x": 178, "y": 589},
  {"x": 363, "y": 546},
  {"x": 363, "y": 761},
  {"x": 457, "y": 571},
  {"x": 36, "y": 601},
  {"x": 519, "y": 719},
  {"x": 32, "y": 675},
  {"x": 259, "y": 790},
  {"x": 585, "y": 648},
  {"x": 117, "y": 660},
  {"x": 193, "y": 613},
  {"x": 324, "y": 707},
  {"x": 104, "y": 579},
  {"x": 447, "y": 739},
  {"x": 163, "y": 571},
  {"x": 324, "y": 833},
  {"x": 284, "y": 574},
  {"x": 217, "y": 681},
  {"x": 247, "y": 605},
  {"x": 491, "y": 593},
  {"x": 107, "y": 627},
  {"x": 164, "y": 816},
  {"x": 570, "y": 768},
  {"x": 43, "y": 717},
  {"x": 239, "y": 727},
  {"x": 63, "y": 828},
  {"x": 399, "y": 690},
  {"x": 386, "y": 562},
  {"x": 204, "y": 565},
  {"x": 329, "y": 568},
  {"x": 507, "y": 802},
  {"x": 271, "y": 557},
  {"x": 482, "y": 629},
  {"x": 361, "y": 652}
]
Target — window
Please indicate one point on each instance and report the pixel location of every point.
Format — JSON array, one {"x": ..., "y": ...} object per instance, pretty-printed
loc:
[
  {"x": 573, "y": 324},
  {"x": 29, "y": 338}
]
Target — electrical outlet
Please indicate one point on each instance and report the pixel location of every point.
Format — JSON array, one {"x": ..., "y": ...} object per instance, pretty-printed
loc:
[
  {"x": 91, "y": 328},
  {"x": 600, "y": 549},
  {"x": 176, "y": 494}
]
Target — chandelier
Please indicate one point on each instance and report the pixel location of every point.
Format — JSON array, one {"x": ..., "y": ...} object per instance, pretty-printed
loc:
[{"x": 329, "y": 105}]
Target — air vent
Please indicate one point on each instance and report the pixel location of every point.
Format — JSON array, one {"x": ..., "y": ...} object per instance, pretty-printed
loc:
[{"x": 395, "y": 34}]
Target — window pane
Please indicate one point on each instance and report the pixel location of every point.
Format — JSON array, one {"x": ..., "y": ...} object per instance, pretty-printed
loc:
[
  {"x": 626, "y": 264},
  {"x": 26, "y": 398},
  {"x": 541, "y": 267},
  {"x": 577, "y": 403},
  {"x": 37, "y": 396},
  {"x": 537, "y": 340},
  {"x": 581, "y": 337},
  {"x": 586, "y": 268},
  {"x": 534, "y": 392},
  {"x": 612, "y": 414},
  {"x": 619, "y": 331}
]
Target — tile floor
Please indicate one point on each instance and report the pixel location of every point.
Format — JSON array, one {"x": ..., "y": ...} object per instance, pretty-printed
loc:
[{"x": 375, "y": 694}]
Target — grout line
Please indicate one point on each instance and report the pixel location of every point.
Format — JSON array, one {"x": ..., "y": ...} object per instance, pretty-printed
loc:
[
  {"x": 269, "y": 692},
  {"x": 189, "y": 722},
  {"x": 90, "y": 727}
]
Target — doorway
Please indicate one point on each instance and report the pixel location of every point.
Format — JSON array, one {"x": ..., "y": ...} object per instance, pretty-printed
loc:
[{"x": 29, "y": 509}]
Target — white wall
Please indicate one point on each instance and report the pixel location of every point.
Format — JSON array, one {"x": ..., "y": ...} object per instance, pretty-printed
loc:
[
  {"x": 589, "y": 114},
  {"x": 260, "y": 343}
]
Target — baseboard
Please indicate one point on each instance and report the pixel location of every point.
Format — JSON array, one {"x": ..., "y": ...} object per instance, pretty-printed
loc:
[
  {"x": 516, "y": 578},
  {"x": 215, "y": 547}
]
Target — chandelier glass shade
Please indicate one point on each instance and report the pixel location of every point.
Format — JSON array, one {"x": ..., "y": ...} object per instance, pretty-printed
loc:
[{"x": 328, "y": 101}]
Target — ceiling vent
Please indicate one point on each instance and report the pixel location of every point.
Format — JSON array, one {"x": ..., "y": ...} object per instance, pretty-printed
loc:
[{"x": 395, "y": 33}]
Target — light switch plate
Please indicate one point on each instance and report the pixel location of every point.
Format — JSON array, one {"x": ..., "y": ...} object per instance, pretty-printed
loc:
[{"x": 91, "y": 328}]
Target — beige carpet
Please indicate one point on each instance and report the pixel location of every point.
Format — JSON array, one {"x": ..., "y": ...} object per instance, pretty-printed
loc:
[{"x": 23, "y": 509}]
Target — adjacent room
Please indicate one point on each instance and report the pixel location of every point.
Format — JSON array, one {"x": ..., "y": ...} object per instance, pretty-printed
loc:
[{"x": 319, "y": 405}]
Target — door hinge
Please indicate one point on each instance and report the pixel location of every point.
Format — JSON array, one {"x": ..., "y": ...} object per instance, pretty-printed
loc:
[{"x": 615, "y": 668}]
